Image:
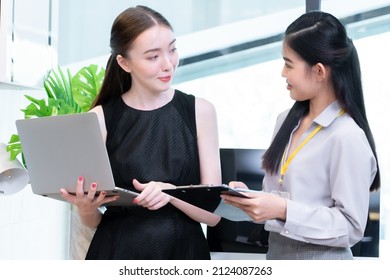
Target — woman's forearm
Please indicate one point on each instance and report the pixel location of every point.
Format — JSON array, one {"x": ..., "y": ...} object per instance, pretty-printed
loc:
[
  {"x": 91, "y": 219},
  {"x": 195, "y": 213}
]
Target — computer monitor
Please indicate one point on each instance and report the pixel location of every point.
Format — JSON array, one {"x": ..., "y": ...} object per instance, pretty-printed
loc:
[{"x": 241, "y": 237}]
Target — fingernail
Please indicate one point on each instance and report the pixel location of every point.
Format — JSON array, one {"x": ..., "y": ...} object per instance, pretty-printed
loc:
[
  {"x": 93, "y": 185},
  {"x": 80, "y": 178},
  {"x": 104, "y": 193},
  {"x": 135, "y": 201}
]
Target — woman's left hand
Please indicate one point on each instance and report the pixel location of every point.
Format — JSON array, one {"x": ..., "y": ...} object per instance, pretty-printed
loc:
[{"x": 151, "y": 195}]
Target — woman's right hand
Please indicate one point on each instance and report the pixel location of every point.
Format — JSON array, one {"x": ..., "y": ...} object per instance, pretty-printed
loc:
[
  {"x": 152, "y": 196},
  {"x": 86, "y": 203}
]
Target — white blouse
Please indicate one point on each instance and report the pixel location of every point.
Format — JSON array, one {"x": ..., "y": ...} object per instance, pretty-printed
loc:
[{"x": 328, "y": 182}]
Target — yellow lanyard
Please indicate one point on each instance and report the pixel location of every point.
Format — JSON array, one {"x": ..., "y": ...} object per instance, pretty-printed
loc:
[{"x": 283, "y": 168}]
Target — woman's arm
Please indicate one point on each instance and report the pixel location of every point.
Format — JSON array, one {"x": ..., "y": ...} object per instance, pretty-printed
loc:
[{"x": 210, "y": 166}]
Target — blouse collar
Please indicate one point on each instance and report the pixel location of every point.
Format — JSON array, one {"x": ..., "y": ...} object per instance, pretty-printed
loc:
[{"x": 329, "y": 114}]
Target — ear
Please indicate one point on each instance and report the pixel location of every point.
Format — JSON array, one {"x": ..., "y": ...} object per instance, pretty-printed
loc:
[
  {"x": 321, "y": 71},
  {"x": 123, "y": 63}
]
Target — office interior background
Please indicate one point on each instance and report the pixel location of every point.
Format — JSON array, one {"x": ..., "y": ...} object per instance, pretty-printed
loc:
[{"x": 230, "y": 54}]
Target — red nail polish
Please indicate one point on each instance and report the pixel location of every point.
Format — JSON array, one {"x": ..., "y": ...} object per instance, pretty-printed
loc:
[
  {"x": 93, "y": 185},
  {"x": 80, "y": 178},
  {"x": 135, "y": 201},
  {"x": 104, "y": 193}
]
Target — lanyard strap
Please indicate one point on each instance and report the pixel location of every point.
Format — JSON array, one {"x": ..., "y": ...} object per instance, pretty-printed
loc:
[{"x": 283, "y": 168}]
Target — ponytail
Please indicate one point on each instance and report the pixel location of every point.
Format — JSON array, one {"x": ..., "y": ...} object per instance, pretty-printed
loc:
[{"x": 116, "y": 82}]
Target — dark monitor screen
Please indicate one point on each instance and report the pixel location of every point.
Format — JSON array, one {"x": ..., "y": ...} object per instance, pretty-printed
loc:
[{"x": 243, "y": 237}]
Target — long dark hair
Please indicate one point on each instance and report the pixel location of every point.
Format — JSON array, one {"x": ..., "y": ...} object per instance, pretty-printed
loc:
[
  {"x": 126, "y": 28},
  {"x": 319, "y": 37}
]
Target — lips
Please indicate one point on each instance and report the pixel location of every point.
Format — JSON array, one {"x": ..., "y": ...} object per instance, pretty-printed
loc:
[
  {"x": 289, "y": 87},
  {"x": 165, "y": 79}
]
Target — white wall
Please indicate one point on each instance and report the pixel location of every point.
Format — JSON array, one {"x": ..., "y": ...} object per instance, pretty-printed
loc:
[{"x": 31, "y": 227}]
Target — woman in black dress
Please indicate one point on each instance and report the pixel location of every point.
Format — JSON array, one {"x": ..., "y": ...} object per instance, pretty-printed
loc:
[{"x": 156, "y": 137}]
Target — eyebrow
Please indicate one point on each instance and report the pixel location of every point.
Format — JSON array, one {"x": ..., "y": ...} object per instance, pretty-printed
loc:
[
  {"x": 157, "y": 49},
  {"x": 287, "y": 59}
]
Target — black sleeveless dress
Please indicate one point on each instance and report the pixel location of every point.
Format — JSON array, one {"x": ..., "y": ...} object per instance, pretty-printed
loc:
[{"x": 156, "y": 145}]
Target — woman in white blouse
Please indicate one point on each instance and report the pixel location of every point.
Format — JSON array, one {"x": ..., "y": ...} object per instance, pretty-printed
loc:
[{"x": 322, "y": 163}]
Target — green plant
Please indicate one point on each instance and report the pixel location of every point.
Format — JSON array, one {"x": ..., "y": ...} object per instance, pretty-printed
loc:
[{"x": 66, "y": 94}]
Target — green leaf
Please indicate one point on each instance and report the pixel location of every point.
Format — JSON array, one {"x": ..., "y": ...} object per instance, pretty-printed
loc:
[
  {"x": 58, "y": 86},
  {"x": 86, "y": 84},
  {"x": 37, "y": 108},
  {"x": 14, "y": 146}
]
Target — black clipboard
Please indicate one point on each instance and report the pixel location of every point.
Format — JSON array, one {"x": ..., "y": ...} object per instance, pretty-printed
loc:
[{"x": 207, "y": 197}]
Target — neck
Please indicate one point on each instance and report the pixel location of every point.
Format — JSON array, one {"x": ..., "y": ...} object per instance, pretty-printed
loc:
[
  {"x": 147, "y": 101},
  {"x": 318, "y": 105}
]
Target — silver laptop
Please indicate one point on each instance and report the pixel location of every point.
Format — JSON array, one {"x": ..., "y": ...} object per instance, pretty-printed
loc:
[{"x": 59, "y": 149}]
